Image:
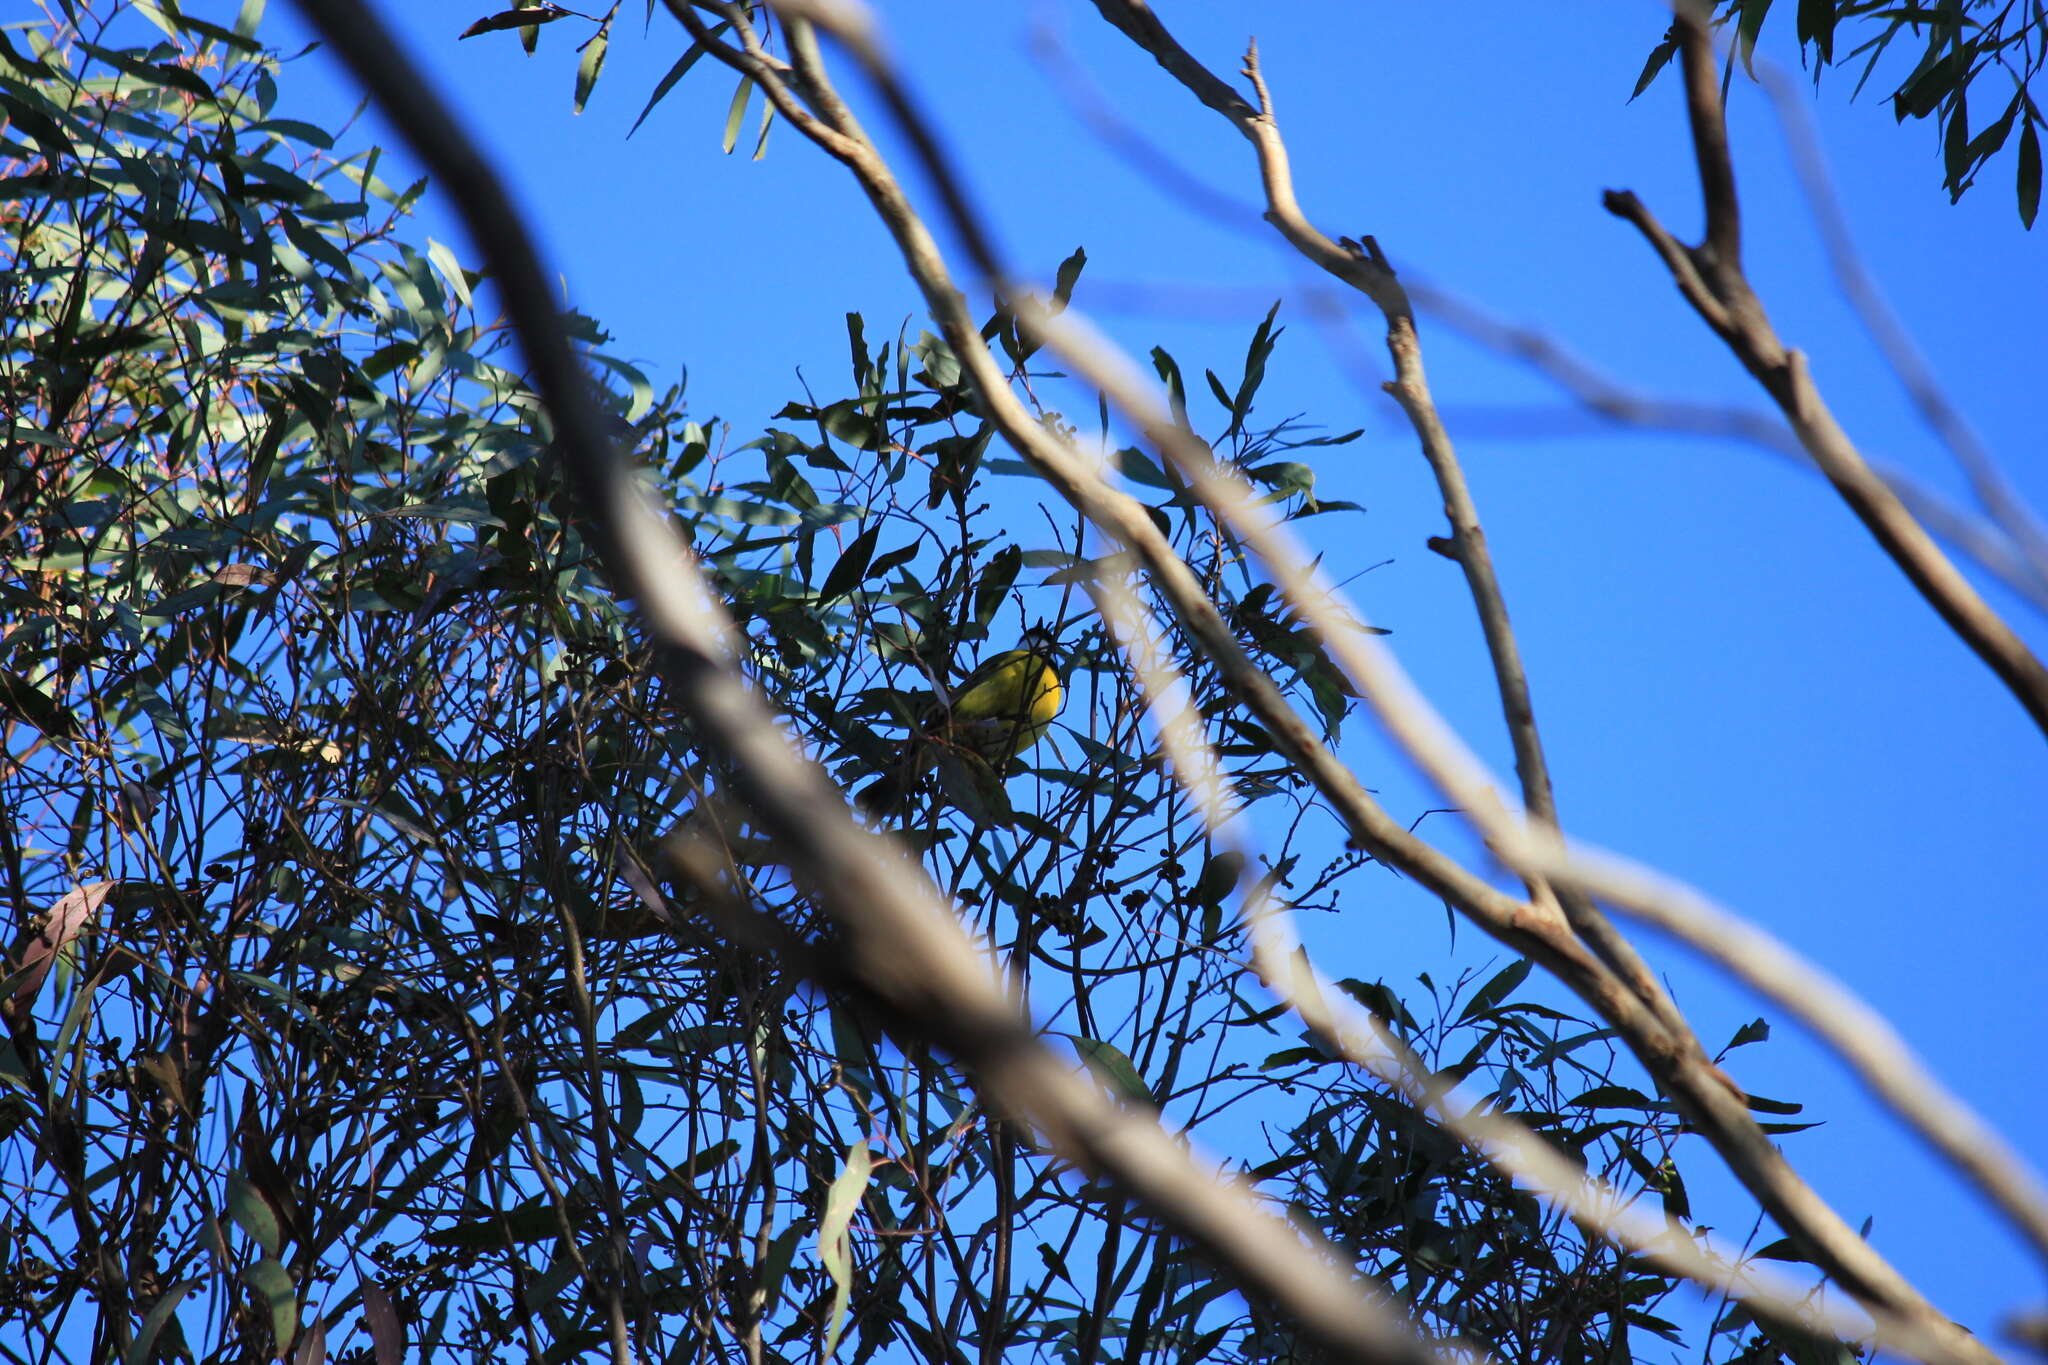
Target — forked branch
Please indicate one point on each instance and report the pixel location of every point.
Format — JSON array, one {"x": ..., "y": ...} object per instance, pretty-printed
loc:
[{"x": 1711, "y": 279}]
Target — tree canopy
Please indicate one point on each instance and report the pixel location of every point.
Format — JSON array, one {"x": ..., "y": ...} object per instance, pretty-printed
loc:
[{"x": 402, "y": 964}]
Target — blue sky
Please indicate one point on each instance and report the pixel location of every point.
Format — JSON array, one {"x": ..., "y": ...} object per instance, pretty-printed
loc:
[{"x": 1734, "y": 683}]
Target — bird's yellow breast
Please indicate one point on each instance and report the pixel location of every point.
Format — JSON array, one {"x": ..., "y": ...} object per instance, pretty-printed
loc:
[{"x": 1007, "y": 704}]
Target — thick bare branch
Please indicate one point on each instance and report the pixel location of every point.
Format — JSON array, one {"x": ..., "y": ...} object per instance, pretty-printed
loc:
[
  {"x": 1835, "y": 1014},
  {"x": 1535, "y": 929},
  {"x": 2015, "y": 548},
  {"x": 1680, "y": 1067}
]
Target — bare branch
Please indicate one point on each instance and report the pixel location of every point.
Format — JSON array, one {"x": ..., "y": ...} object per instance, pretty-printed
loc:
[
  {"x": 2018, "y": 555},
  {"x": 1123, "y": 518},
  {"x": 1836, "y": 1015},
  {"x": 1710, "y": 278},
  {"x": 1721, "y": 254},
  {"x": 1464, "y": 780},
  {"x": 1995, "y": 547},
  {"x": 1809, "y": 161}
]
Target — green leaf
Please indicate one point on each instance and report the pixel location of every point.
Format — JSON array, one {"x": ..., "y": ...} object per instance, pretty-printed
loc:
[
  {"x": 857, "y": 343},
  {"x": 1114, "y": 1067},
  {"x": 850, "y": 569},
  {"x": 775, "y": 1265},
  {"x": 667, "y": 83},
  {"x": 515, "y": 18},
  {"x": 1064, "y": 281},
  {"x": 736, "y": 113},
  {"x": 400, "y": 1199},
  {"x": 1784, "y": 1249},
  {"x": 28, "y": 67},
  {"x": 1923, "y": 91},
  {"x": 1286, "y": 477},
  {"x": 1138, "y": 467},
  {"x": 184, "y": 601},
  {"x": 993, "y": 587},
  {"x": 1261, "y": 349},
  {"x": 239, "y": 41},
  {"x": 850, "y": 1050},
  {"x": 1748, "y": 24},
  {"x": 1176, "y": 389},
  {"x": 1612, "y": 1097},
  {"x": 1219, "y": 393},
  {"x": 1056, "y": 1263},
  {"x": 847, "y": 421},
  {"x": 20, "y": 697},
  {"x": 139, "y": 1350},
  {"x": 1496, "y": 990},
  {"x": 894, "y": 559},
  {"x": 1955, "y": 150},
  {"x": 1660, "y": 57},
  {"x": 941, "y": 366},
  {"x": 970, "y": 784},
  {"x": 639, "y": 1031},
  {"x": 273, "y": 1283},
  {"x": 531, "y": 1221},
  {"x": 1375, "y": 996},
  {"x": 835, "y": 1243},
  {"x": 592, "y": 65},
  {"x": 1219, "y": 878},
  {"x": 2029, "y": 175},
  {"x": 163, "y": 75},
  {"x": 451, "y": 270},
  {"x": 1816, "y": 24},
  {"x": 680, "y": 1181},
  {"x": 1755, "y": 1031},
  {"x": 249, "y": 1209}
]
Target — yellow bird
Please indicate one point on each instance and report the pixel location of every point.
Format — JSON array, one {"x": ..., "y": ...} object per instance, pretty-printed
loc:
[{"x": 997, "y": 712}]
